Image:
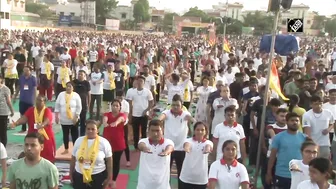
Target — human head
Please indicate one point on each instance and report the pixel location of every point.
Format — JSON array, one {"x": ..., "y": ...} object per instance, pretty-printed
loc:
[
  {"x": 320, "y": 170},
  {"x": 96, "y": 67},
  {"x": 281, "y": 116},
  {"x": 34, "y": 144},
  {"x": 177, "y": 103},
  {"x": 146, "y": 69},
  {"x": 225, "y": 92},
  {"x": 230, "y": 114},
  {"x": 91, "y": 129},
  {"x": 274, "y": 103},
  {"x": 205, "y": 81},
  {"x": 116, "y": 106},
  {"x": 219, "y": 85},
  {"x": 332, "y": 96},
  {"x": 69, "y": 87},
  {"x": 293, "y": 121},
  {"x": 27, "y": 71},
  {"x": 200, "y": 130},
  {"x": 229, "y": 150},
  {"x": 141, "y": 82},
  {"x": 81, "y": 75},
  {"x": 40, "y": 101},
  {"x": 155, "y": 130},
  {"x": 316, "y": 103},
  {"x": 253, "y": 85},
  {"x": 309, "y": 150},
  {"x": 120, "y": 95},
  {"x": 313, "y": 83}
]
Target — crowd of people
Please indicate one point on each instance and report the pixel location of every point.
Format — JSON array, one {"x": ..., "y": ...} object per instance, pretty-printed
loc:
[{"x": 152, "y": 84}]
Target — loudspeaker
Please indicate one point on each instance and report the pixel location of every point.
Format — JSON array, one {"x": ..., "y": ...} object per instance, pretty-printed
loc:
[
  {"x": 273, "y": 5},
  {"x": 286, "y": 4}
]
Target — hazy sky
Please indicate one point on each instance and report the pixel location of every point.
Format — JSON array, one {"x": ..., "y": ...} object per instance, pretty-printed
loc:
[{"x": 324, "y": 7}]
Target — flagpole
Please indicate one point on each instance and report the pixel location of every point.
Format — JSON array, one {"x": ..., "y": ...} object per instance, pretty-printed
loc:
[
  {"x": 225, "y": 23},
  {"x": 267, "y": 87}
]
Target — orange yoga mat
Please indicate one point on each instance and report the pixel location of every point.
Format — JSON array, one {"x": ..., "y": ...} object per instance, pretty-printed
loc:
[
  {"x": 64, "y": 157},
  {"x": 122, "y": 181}
]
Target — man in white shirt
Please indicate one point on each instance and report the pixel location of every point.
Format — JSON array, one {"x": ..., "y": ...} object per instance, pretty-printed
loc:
[
  {"x": 317, "y": 123},
  {"x": 141, "y": 102},
  {"x": 154, "y": 164},
  {"x": 300, "y": 60},
  {"x": 93, "y": 57},
  {"x": 176, "y": 129},
  {"x": 96, "y": 84}
]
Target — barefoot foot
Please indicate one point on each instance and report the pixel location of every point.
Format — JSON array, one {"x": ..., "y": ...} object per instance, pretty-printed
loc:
[
  {"x": 65, "y": 152},
  {"x": 128, "y": 164}
]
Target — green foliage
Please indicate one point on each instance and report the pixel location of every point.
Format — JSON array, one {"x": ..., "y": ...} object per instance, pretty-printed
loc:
[
  {"x": 40, "y": 9},
  {"x": 127, "y": 25},
  {"x": 141, "y": 11},
  {"x": 168, "y": 21},
  {"x": 103, "y": 9},
  {"x": 195, "y": 12},
  {"x": 262, "y": 23},
  {"x": 330, "y": 27},
  {"x": 318, "y": 22}
]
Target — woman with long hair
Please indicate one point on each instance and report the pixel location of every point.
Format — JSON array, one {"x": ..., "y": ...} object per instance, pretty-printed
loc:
[
  {"x": 320, "y": 172},
  {"x": 114, "y": 123},
  {"x": 39, "y": 119},
  {"x": 91, "y": 162},
  {"x": 194, "y": 173},
  {"x": 294, "y": 107},
  {"x": 68, "y": 107},
  {"x": 300, "y": 168},
  {"x": 227, "y": 172},
  {"x": 203, "y": 92}
]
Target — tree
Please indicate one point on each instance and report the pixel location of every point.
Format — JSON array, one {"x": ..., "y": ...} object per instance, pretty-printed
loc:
[
  {"x": 168, "y": 21},
  {"x": 319, "y": 21},
  {"x": 195, "y": 12},
  {"x": 141, "y": 11},
  {"x": 42, "y": 10},
  {"x": 103, "y": 9},
  {"x": 262, "y": 23},
  {"x": 330, "y": 27}
]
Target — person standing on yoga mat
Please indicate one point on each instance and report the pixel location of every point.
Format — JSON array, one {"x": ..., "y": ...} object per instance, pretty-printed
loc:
[
  {"x": 68, "y": 107},
  {"x": 154, "y": 167},
  {"x": 125, "y": 109},
  {"x": 39, "y": 119},
  {"x": 91, "y": 161},
  {"x": 114, "y": 123}
]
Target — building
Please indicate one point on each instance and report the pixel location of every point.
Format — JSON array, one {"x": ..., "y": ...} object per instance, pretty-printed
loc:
[
  {"x": 84, "y": 12},
  {"x": 20, "y": 18},
  {"x": 124, "y": 12},
  {"x": 299, "y": 11},
  {"x": 232, "y": 10},
  {"x": 156, "y": 15},
  {"x": 5, "y": 9}
]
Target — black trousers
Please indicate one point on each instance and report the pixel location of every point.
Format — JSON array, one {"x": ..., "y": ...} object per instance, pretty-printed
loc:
[
  {"x": 23, "y": 107},
  {"x": 158, "y": 89},
  {"x": 178, "y": 156},
  {"x": 3, "y": 129},
  {"x": 192, "y": 186},
  {"x": 127, "y": 151},
  {"x": 136, "y": 123},
  {"x": 253, "y": 150},
  {"x": 81, "y": 122},
  {"x": 96, "y": 183},
  {"x": 282, "y": 182},
  {"x": 98, "y": 100},
  {"x": 91, "y": 65},
  {"x": 66, "y": 129},
  {"x": 10, "y": 84},
  {"x": 116, "y": 164},
  {"x": 59, "y": 89}
]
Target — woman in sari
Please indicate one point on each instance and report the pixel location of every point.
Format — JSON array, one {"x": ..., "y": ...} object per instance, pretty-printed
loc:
[{"x": 39, "y": 119}]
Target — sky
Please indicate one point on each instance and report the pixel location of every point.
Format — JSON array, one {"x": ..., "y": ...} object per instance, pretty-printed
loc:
[{"x": 328, "y": 7}]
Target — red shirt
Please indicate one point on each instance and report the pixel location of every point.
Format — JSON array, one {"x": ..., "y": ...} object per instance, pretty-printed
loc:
[
  {"x": 101, "y": 55},
  {"x": 73, "y": 53},
  {"x": 115, "y": 135},
  {"x": 49, "y": 151}
]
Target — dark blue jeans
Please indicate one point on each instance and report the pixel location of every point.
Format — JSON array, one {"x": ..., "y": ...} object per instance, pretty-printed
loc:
[{"x": 282, "y": 182}]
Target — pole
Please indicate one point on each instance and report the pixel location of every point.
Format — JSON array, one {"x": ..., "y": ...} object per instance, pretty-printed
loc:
[
  {"x": 225, "y": 23},
  {"x": 263, "y": 115}
]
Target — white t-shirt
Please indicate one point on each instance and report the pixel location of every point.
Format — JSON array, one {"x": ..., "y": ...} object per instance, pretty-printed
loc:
[
  {"x": 96, "y": 89},
  {"x": 93, "y": 56},
  {"x": 59, "y": 79},
  {"x": 13, "y": 70},
  {"x": 125, "y": 108},
  {"x": 65, "y": 57},
  {"x": 298, "y": 177},
  {"x": 196, "y": 161},
  {"x": 84, "y": 68},
  {"x": 332, "y": 109},
  {"x": 176, "y": 128},
  {"x": 228, "y": 178},
  {"x": 220, "y": 112},
  {"x": 188, "y": 88},
  {"x": 3, "y": 152},
  {"x": 75, "y": 106},
  {"x": 223, "y": 133},
  {"x": 330, "y": 86},
  {"x": 150, "y": 82},
  {"x": 43, "y": 67},
  {"x": 300, "y": 61},
  {"x": 175, "y": 89},
  {"x": 105, "y": 151},
  {"x": 35, "y": 51},
  {"x": 318, "y": 123},
  {"x": 107, "y": 82},
  {"x": 139, "y": 100},
  {"x": 154, "y": 170},
  {"x": 307, "y": 184}
]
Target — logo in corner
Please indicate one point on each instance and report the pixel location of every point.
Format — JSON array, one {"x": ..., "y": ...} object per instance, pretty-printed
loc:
[{"x": 295, "y": 25}]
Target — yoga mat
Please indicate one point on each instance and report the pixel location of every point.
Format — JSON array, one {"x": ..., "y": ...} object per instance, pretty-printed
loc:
[
  {"x": 20, "y": 134},
  {"x": 122, "y": 181},
  {"x": 134, "y": 157},
  {"x": 65, "y": 157}
]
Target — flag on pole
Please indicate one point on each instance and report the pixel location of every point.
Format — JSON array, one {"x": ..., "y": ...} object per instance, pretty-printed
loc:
[
  {"x": 275, "y": 82},
  {"x": 212, "y": 34},
  {"x": 226, "y": 46}
]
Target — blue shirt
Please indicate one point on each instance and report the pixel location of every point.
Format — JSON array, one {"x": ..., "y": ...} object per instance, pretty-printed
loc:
[
  {"x": 288, "y": 146},
  {"x": 27, "y": 89}
]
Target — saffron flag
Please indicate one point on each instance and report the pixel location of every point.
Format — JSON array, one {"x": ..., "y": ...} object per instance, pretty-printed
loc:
[
  {"x": 212, "y": 34},
  {"x": 226, "y": 46},
  {"x": 275, "y": 82}
]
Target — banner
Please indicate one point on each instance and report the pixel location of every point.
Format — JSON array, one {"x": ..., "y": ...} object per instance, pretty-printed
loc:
[
  {"x": 112, "y": 24},
  {"x": 64, "y": 20}
]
